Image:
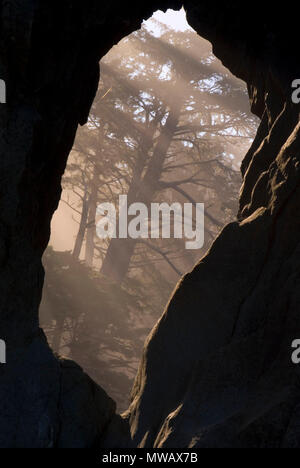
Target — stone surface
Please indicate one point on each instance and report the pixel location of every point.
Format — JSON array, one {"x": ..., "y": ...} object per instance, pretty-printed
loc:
[
  {"x": 49, "y": 402},
  {"x": 216, "y": 370}
]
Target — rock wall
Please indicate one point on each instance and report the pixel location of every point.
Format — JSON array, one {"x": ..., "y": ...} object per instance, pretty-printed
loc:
[{"x": 216, "y": 370}]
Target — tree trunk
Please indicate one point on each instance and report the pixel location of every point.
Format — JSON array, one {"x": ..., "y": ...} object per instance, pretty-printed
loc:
[
  {"x": 120, "y": 251},
  {"x": 57, "y": 335},
  {"x": 82, "y": 227},
  {"x": 90, "y": 230}
]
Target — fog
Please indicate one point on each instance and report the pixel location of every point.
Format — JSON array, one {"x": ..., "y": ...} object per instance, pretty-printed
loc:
[{"x": 169, "y": 124}]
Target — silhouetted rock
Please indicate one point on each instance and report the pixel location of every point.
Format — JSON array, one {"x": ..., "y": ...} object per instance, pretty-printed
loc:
[
  {"x": 216, "y": 370},
  {"x": 50, "y": 402}
]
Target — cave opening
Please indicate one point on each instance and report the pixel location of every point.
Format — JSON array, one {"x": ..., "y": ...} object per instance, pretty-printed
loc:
[
  {"x": 169, "y": 125},
  {"x": 217, "y": 369}
]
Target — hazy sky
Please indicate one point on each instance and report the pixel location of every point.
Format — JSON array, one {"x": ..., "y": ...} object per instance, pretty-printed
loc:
[{"x": 174, "y": 19}]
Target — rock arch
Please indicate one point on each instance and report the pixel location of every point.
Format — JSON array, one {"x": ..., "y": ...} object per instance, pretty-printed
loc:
[{"x": 216, "y": 370}]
